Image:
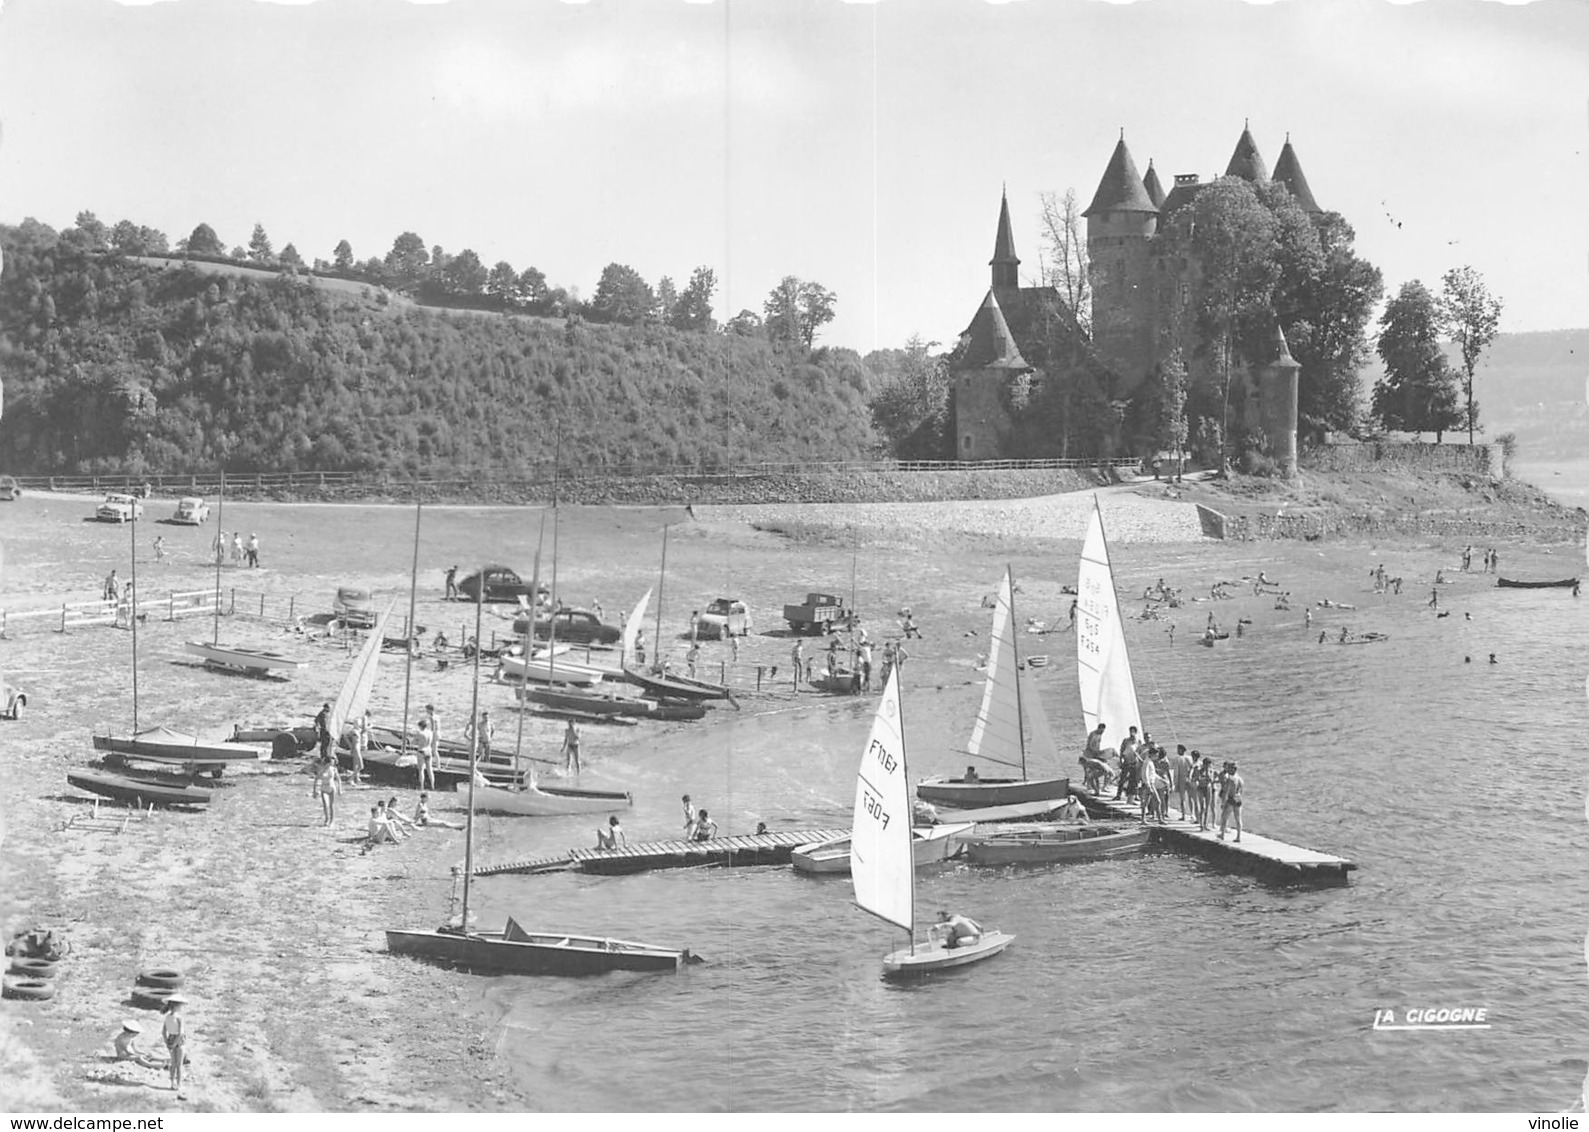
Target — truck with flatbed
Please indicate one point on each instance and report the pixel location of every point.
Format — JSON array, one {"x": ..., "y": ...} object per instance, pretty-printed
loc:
[{"x": 820, "y": 613}]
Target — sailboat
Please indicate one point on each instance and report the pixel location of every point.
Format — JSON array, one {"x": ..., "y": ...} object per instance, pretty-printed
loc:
[
  {"x": 513, "y": 949},
  {"x": 235, "y": 658},
  {"x": 1103, "y": 670},
  {"x": 163, "y": 744},
  {"x": 999, "y": 733},
  {"x": 661, "y": 683},
  {"x": 882, "y": 859}
]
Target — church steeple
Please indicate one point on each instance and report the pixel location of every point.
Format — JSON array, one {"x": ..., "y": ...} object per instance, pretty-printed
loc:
[
  {"x": 1005, "y": 263},
  {"x": 1288, "y": 171},
  {"x": 1150, "y": 183},
  {"x": 1246, "y": 162}
]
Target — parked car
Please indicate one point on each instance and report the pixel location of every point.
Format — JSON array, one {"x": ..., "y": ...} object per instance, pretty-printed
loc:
[
  {"x": 355, "y": 607},
  {"x": 725, "y": 617},
  {"x": 14, "y": 700},
  {"x": 119, "y": 508},
  {"x": 191, "y": 510},
  {"x": 501, "y": 584},
  {"x": 577, "y": 626},
  {"x": 8, "y": 488}
]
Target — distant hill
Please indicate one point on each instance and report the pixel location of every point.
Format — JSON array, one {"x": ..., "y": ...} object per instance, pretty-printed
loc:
[{"x": 114, "y": 364}]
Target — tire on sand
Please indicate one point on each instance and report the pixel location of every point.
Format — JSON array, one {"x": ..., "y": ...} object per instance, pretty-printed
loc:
[
  {"x": 28, "y": 990},
  {"x": 29, "y": 967},
  {"x": 162, "y": 978}
]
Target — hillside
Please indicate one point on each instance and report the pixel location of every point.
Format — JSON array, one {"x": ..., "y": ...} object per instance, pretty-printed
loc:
[{"x": 116, "y": 365}]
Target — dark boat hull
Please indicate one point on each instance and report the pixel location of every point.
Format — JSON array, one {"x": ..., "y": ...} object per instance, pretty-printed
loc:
[
  {"x": 137, "y": 789},
  {"x": 493, "y": 953},
  {"x": 677, "y": 687},
  {"x": 991, "y": 791},
  {"x": 1558, "y": 584}
]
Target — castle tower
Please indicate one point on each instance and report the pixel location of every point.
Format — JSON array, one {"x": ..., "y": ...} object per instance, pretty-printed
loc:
[
  {"x": 1277, "y": 403},
  {"x": 1247, "y": 163},
  {"x": 1121, "y": 221},
  {"x": 988, "y": 358},
  {"x": 1005, "y": 263},
  {"x": 1288, "y": 171},
  {"x": 1155, "y": 191}
]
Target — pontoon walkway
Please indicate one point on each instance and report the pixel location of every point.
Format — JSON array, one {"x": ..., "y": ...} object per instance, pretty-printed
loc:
[
  {"x": 1269, "y": 860},
  {"x": 746, "y": 849}
]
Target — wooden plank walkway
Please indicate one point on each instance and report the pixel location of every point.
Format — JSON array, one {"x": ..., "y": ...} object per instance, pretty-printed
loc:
[
  {"x": 737, "y": 852},
  {"x": 1275, "y": 862}
]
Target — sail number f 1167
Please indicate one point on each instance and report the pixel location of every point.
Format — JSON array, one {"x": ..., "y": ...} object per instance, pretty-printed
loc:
[{"x": 885, "y": 757}]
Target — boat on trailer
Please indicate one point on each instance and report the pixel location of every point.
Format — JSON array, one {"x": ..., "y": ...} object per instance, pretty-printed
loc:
[
  {"x": 1055, "y": 843},
  {"x": 929, "y": 845},
  {"x": 515, "y": 951}
]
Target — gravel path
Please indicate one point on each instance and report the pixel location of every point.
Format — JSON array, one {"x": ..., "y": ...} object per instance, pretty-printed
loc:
[{"x": 1128, "y": 517}]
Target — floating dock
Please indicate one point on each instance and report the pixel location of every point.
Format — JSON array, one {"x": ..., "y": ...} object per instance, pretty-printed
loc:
[
  {"x": 734, "y": 852},
  {"x": 1263, "y": 857}
]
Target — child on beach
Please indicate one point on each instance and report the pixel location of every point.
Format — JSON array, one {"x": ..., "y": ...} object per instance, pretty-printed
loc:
[{"x": 175, "y": 1032}]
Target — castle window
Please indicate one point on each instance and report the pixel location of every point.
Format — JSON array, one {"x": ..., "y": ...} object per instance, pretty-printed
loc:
[{"x": 965, "y": 442}]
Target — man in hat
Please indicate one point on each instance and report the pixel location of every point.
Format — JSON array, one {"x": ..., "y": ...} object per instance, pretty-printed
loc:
[{"x": 1230, "y": 799}]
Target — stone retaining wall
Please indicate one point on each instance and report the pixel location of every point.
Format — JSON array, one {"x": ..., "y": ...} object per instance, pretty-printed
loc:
[
  {"x": 1373, "y": 456},
  {"x": 1313, "y": 527}
]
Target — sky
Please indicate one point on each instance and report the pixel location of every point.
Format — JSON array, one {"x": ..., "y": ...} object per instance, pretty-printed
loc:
[{"x": 860, "y": 145}]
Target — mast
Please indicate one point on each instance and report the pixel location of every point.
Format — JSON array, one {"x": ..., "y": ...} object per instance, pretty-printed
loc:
[
  {"x": 551, "y": 624},
  {"x": 656, "y": 645},
  {"x": 474, "y": 752},
  {"x": 132, "y": 616},
  {"x": 527, "y": 644},
  {"x": 408, "y": 660},
  {"x": 1015, "y": 651},
  {"x": 220, "y": 553}
]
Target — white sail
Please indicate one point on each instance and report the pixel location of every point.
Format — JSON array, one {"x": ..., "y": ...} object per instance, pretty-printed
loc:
[
  {"x": 631, "y": 628},
  {"x": 882, "y": 861},
  {"x": 1108, "y": 694},
  {"x": 996, "y": 734},
  {"x": 355, "y": 693}
]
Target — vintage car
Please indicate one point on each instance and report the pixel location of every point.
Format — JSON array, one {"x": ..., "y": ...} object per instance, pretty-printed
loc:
[
  {"x": 119, "y": 508},
  {"x": 501, "y": 584},
  {"x": 12, "y": 700},
  {"x": 9, "y": 489},
  {"x": 723, "y": 618},
  {"x": 191, "y": 510},
  {"x": 576, "y": 626},
  {"x": 355, "y": 607}
]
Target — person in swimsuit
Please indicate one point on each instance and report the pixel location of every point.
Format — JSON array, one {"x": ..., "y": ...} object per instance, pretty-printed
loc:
[
  {"x": 1230, "y": 793},
  {"x": 327, "y": 785},
  {"x": 958, "y": 930},
  {"x": 612, "y": 836},
  {"x": 175, "y": 1033},
  {"x": 705, "y": 828},
  {"x": 1072, "y": 810}
]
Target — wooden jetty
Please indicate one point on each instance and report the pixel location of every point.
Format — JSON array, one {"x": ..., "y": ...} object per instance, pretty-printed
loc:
[
  {"x": 1274, "y": 862},
  {"x": 732, "y": 852}
]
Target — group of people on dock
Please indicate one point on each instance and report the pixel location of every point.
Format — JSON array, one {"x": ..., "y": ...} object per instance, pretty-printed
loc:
[{"x": 1146, "y": 773}]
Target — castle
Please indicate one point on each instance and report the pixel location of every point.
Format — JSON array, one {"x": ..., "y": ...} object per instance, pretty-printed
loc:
[{"x": 1139, "y": 291}]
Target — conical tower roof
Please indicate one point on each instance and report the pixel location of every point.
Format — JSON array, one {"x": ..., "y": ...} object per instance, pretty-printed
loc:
[
  {"x": 1150, "y": 183},
  {"x": 1121, "y": 188},
  {"x": 988, "y": 341},
  {"x": 1004, "y": 241},
  {"x": 1281, "y": 350},
  {"x": 1246, "y": 162},
  {"x": 1288, "y": 171}
]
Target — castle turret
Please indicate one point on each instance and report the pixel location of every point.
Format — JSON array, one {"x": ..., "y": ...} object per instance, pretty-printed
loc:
[
  {"x": 1005, "y": 263},
  {"x": 985, "y": 361},
  {"x": 1277, "y": 403},
  {"x": 1121, "y": 221},
  {"x": 1288, "y": 171},
  {"x": 1155, "y": 191},
  {"x": 1247, "y": 163}
]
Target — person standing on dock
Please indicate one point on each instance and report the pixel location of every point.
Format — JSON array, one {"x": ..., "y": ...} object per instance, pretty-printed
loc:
[
  {"x": 1181, "y": 773},
  {"x": 1230, "y": 798},
  {"x": 1202, "y": 789}
]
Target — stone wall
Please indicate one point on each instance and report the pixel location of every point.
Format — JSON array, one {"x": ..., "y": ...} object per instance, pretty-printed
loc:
[
  {"x": 1382, "y": 455},
  {"x": 1314, "y": 527}
]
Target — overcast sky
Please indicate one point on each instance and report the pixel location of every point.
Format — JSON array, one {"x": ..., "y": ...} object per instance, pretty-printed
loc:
[{"x": 862, "y": 146}]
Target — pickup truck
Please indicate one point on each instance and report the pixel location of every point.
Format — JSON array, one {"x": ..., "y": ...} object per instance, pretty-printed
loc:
[{"x": 821, "y": 613}]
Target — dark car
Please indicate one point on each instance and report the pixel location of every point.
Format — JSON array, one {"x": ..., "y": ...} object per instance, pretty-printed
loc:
[
  {"x": 502, "y": 584},
  {"x": 577, "y": 626}
]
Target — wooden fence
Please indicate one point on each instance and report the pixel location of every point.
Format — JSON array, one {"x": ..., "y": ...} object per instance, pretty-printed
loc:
[{"x": 278, "y": 609}]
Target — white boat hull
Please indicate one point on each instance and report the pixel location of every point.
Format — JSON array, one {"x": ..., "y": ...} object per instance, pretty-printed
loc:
[
  {"x": 243, "y": 659},
  {"x": 910, "y": 963},
  {"x": 550, "y": 670},
  {"x": 536, "y": 802},
  {"x": 929, "y": 844}
]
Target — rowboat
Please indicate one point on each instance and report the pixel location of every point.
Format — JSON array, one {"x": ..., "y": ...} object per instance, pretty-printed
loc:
[
  {"x": 239, "y": 658},
  {"x": 591, "y": 703},
  {"x": 1055, "y": 843},
  {"x": 552, "y": 669},
  {"x": 163, "y": 745},
  {"x": 1515, "y": 584},
  {"x": 140, "y": 790},
  {"x": 564, "y": 714},
  {"x": 929, "y": 844},
  {"x": 515, "y": 951}
]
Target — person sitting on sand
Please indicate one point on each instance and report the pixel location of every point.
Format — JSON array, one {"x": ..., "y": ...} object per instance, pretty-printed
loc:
[
  {"x": 380, "y": 827},
  {"x": 126, "y": 1042},
  {"x": 612, "y": 836},
  {"x": 958, "y": 930},
  {"x": 396, "y": 816},
  {"x": 422, "y": 810}
]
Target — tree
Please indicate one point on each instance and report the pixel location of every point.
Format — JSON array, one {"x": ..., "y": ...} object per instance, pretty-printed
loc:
[
  {"x": 1172, "y": 432},
  {"x": 290, "y": 256},
  {"x": 1064, "y": 265},
  {"x": 405, "y": 263},
  {"x": 746, "y": 324},
  {"x": 1470, "y": 316},
  {"x": 259, "y": 249},
  {"x": 90, "y": 233},
  {"x": 693, "y": 311},
  {"x": 532, "y": 289},
  {"x": 503, "y": 284},
  {"x": 1418, "y": 392},
  {"x": 795, "y": 309},
  {"x": 237, "y": 253},
  {"x": 667, "y": 299},
  {"x": 912, "y": 402},
  {"x": 622, "y": 296},
  {"x": 464, "y": 274},
  {"x": 204, "y": 241},
  {"x": 342, "y": 258}
]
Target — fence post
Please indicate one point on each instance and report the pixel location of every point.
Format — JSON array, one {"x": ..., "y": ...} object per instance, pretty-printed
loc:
[
  {"x": 171, "y": 604},
  {"x": 233, "y": 607},
  {"x": 62, "y": 629},
  {"x": 292, "y": 601},
  {"x": 262, "y": 606}
]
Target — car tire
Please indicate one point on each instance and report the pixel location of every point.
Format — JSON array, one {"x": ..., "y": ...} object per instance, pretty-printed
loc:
[
  {"x": 31, "y": 967},
  {"x": 28, "y": 990},
  {"x": 160, "y": 978},
  {"x": 152, "y": 998}
]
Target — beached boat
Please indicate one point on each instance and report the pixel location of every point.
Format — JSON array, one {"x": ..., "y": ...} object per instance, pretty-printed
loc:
[
  {"x": 514, "y": 950},
  {"x": 591, "y": 703},
  {"x": 1009, "y": 706},
  {"x": 1516, "y": 584},
  {"x": 534, "y": 799},
  {"x": 929, "y": 845},
  {"x": 545, "y": 668},
  {"x": 140, "y": 790},
  {"x": 164, "y": 745},
  {"x": 241, "y": 658},
  {"x": 1055, "y": 843},
  {"x": 659, "y": 681},
  {"x": 882, "y": 854}
]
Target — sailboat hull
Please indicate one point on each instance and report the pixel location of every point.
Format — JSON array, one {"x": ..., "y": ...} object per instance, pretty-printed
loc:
[
  {"x": 165, "y": 746},
  {"x": 1056, "y": 845},
  {"x": 929, "y": 844},
  {"x": 941, "y": 791},
  {"x": 242, "y": 659},
  {"x": 534, "y": 953},
  {"x": 908, "y": 963},
  {"x": 137, "y": 789},
  {"x": 677, "y": 687},
  {"x": 546, "y": 801}
]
